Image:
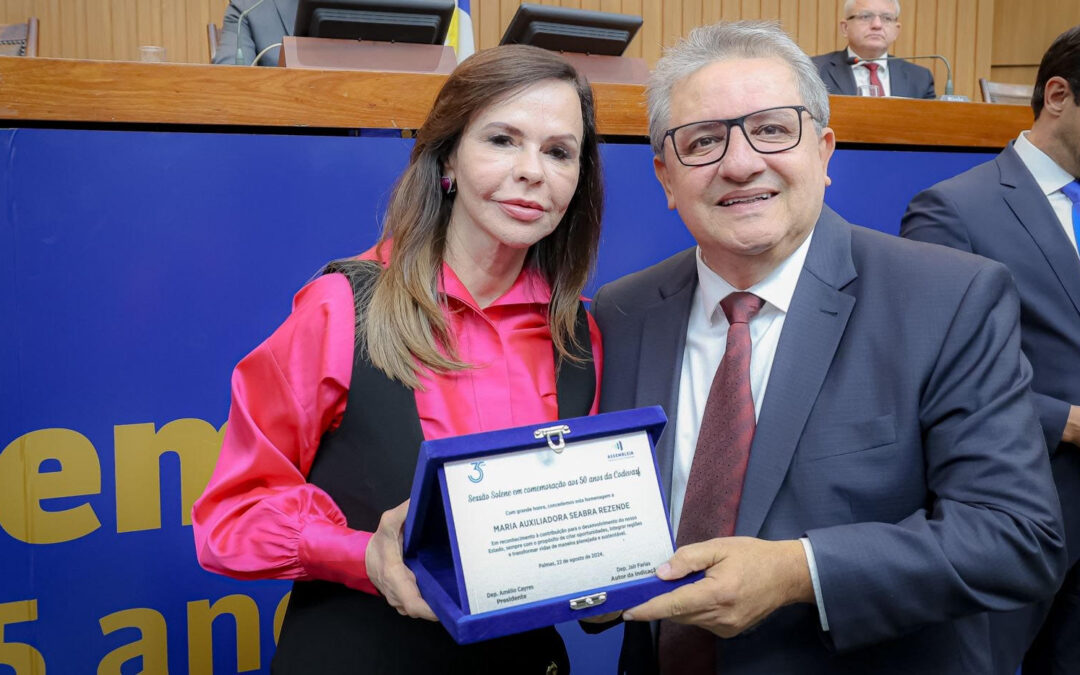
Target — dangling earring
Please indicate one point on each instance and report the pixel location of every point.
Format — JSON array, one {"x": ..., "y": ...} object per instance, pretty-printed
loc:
[{"x": 447, "y": 184}]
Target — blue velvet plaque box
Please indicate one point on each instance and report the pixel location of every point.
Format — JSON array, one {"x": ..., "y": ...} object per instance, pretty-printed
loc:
[{"x": 550, "y": 528}]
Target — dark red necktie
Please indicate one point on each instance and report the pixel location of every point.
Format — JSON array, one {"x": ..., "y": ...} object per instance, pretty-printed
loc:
[
  {"x": 714, "y": 487},
  {"x": 874, "y": 79}
]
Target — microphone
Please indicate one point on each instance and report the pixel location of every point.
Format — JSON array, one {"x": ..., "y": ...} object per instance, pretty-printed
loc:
[
  {"x": 853, "y": 60},
  {"x": 239, "y": 22}
]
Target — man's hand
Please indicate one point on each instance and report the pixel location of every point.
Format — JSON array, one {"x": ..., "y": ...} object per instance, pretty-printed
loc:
[
  {"x": 1072, "y": 426},
  {"x": 387, "y": 570},
  {"x": 746, "y": 580}
]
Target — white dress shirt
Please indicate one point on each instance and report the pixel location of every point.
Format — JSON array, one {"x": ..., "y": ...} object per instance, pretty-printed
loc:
[
  {"x": 1051, "y": 178},
  {"x": 862, "y": 73},
  {"x": 706, "y": 342}
]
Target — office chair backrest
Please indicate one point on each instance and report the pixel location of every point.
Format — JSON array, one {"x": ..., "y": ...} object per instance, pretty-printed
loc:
[
  {"x": 19, "y": 39},
  {"x": 1003, "y": 92},
  {"x": 213, "y": 37}
]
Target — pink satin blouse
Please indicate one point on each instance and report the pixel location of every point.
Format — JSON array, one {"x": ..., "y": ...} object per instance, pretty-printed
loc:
[{"x": 259, "y": 517}]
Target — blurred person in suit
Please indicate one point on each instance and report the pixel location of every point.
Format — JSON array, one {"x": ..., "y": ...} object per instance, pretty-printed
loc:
[
  {"x": 1023, "y": 209},
  {"x": 265, "y": 24},
  {"x": 871, "y": 27}
]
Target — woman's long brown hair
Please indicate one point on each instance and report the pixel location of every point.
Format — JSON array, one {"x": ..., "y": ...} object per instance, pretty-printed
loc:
[{"x": 403, "y": 326}]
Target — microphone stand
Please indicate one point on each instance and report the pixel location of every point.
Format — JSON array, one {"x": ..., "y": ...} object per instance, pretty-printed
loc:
[
  {"x": 239, "y": 22},
  {"x": 947, "y": 96}
]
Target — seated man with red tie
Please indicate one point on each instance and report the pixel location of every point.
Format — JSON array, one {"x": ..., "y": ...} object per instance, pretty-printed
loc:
[{"x": 871, "y": 27}]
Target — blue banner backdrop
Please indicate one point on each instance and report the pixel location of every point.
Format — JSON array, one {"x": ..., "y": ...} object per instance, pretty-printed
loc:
[{"x": 136, "y": 268}]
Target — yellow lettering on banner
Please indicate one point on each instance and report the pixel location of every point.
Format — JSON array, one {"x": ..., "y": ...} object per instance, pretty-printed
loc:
[
  {"x": 279, "y": 615},
  {"x": 201, "y": 615},
  {"x": 22, "y": 657},
  {"x": 138, "y": 481},
  {"x": 152, "y": 646},
  {"x": 23, "y": 486}
]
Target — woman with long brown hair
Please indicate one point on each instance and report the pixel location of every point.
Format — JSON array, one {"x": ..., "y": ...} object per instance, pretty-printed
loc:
[{"x": 466, "y": 316}]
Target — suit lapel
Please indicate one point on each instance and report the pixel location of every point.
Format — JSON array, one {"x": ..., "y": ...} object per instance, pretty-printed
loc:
[
  {"x": 287, "y": 11},
  {"x": 1037, "y": 216},
  {"x": 899, "y": 84},
  {"x": 840, "y": 72},
  {"x": 816, "y": 321},
  {"x": 663, "y": 340}
]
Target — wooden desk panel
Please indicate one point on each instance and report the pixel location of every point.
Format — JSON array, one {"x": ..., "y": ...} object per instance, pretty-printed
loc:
[{"x": 93, "y": 92}]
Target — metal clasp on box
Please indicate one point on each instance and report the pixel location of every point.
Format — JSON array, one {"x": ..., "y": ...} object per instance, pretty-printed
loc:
[
  {"x": 554, "y": 436},
  {"x": 587, "y": 601}
]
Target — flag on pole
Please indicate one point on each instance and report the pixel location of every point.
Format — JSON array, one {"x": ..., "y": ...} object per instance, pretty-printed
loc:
[{"x": 460, "y": 34}]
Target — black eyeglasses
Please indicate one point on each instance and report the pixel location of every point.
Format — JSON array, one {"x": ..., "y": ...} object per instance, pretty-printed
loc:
[{"x": 767, "y": 131}]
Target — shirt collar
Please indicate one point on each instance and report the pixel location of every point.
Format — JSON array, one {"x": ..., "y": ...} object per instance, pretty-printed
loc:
[
  {"x": 776, "y": 289},
  {"x": 529, "y": 288},
  {"x": 882, "y": 65},
  {"x": 1047, "y": 173}
]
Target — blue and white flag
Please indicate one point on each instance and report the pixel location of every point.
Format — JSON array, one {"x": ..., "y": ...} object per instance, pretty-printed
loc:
[{"x": 460, "y": 35}]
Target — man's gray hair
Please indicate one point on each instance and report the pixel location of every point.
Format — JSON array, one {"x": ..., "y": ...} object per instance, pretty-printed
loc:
[
  {"x": 849, "y": 7},
  {"x": 720, "y": 42}
]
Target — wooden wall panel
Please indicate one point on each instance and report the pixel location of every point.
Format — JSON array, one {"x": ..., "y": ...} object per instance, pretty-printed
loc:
[
  {"x": 50, "y": 23},
  {"x": 788, "y": 13},
  {"x": 125, "y": 16},
  {"x": 99, "y": 25},
  {"x": 964, "y": 41},
  {"x": 1023, "y": 30},
  {"x": 807, "y": 33},
  {"x": 485, "y": 23},
  {"x": 672, "y": 20},
  {"x": 905, "y": 43},
  {"x": 984, "y": 44},
  {"x": 114, "y": 29},
  {"x": 971, "y": 32},
  {"x": 944, "y": 35},
  {"x": 78, "y": 28},
  {"x": 1021, "y": 33},
  {"x": 923, "y": 36},
  {"x": 149, "y": 20},
  {"x": 651, "y": 35},
  {"x": 634, "y": 7},
  {"x": 828, "y": 28},
  {"x": 691, "y": 15},
  {"x": 1014, "y": 74}
]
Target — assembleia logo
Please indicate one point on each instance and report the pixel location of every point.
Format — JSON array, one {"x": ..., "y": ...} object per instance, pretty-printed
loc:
[
  {"x": 619, "y": 452},
  {"x": 478, "y": 472}
]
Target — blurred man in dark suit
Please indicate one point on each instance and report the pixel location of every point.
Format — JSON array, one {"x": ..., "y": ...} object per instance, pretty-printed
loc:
[
  {"x": 1023, "y": 209},
  {"x": 871, "y": 27},
  {"x": 265, "y": 23}
]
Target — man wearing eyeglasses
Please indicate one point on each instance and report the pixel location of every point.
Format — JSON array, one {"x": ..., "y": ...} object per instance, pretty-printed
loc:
[
  {"x": 871, "y": 27},
  {"x": 851, "y": 455}
]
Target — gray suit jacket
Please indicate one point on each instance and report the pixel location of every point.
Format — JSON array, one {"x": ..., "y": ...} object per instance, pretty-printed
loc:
[
  {"x": 896, "y": 433},
  {"x": 263, "y": 26},
  {"x": 997, "y": 210},
  {"x": 905, "y": 79}
]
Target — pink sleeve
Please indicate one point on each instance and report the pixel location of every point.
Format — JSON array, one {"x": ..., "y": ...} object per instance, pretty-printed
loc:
[
  {"x": 259, "y": 518},
  {"x": 598, "y": 360}
]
